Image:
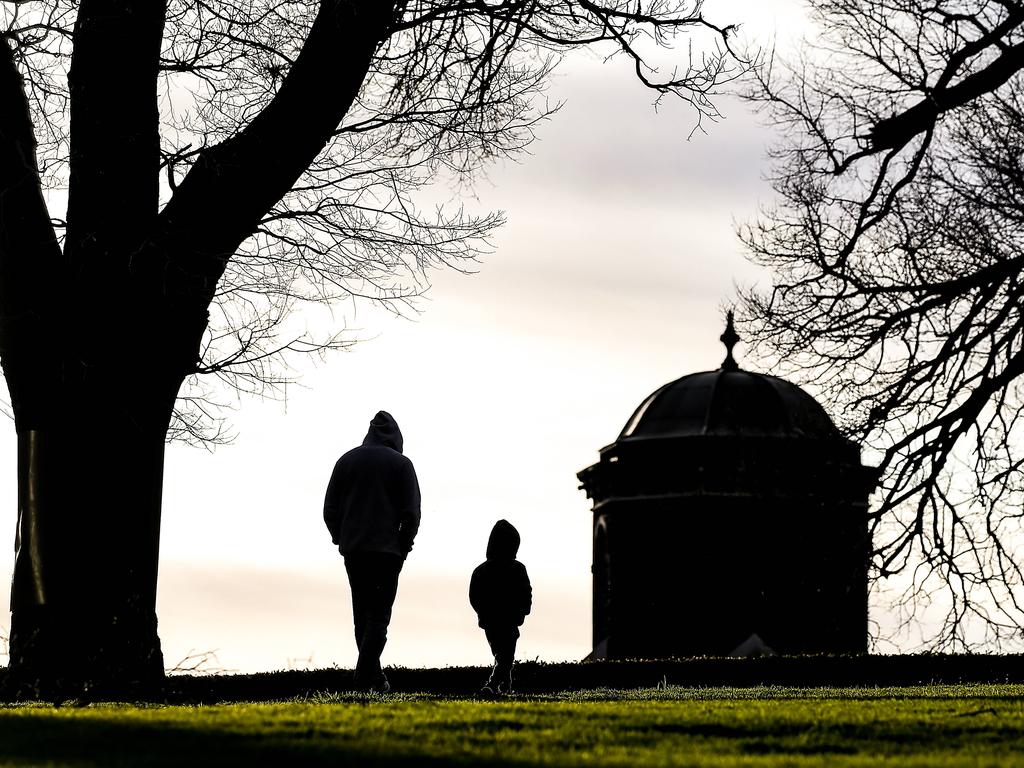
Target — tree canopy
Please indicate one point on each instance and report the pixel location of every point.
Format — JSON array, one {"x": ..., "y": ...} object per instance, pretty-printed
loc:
[
  {"x": 293, "y": 139},
  {"x": 895, "y": 259}
]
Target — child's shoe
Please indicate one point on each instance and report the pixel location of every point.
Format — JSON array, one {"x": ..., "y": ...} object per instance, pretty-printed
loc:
[{"x": 504, "y": 687}]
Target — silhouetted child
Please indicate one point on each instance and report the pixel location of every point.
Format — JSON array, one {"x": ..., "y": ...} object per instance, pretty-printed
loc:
[{"x": 501, "y": 595}]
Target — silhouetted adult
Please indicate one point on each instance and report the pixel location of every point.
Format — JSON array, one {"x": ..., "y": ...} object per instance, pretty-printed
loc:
[{"x": 372, "y": 510}]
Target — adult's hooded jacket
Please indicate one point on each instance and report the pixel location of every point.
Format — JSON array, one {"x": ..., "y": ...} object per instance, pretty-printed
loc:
[
  {"x": 500, "y": 590},
  {"x": 373, "y": 499}
]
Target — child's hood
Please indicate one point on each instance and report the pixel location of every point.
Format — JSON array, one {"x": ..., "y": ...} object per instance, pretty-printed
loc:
[{"x": 504, "y": 541}]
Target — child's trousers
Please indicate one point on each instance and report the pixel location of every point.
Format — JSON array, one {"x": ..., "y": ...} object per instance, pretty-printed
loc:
[{"x": 502, "y": 640}]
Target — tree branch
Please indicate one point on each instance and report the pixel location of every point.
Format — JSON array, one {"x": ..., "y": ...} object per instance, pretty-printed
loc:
[
  {"x": 894, "y": 132},
  {"x": 232, "y": 185},
  {"x": 29, "y": 252},
  {"x": 115, "y": 144}
]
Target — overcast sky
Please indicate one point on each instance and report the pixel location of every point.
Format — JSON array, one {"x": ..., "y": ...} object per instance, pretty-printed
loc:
[{"x": 609, "y": 280}]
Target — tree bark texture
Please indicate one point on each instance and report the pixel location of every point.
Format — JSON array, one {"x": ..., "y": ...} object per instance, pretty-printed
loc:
[{"x": 84, "y": 593}]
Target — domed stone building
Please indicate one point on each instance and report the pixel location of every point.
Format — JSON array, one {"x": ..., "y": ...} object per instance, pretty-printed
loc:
[{"x": 729, "y": 515}]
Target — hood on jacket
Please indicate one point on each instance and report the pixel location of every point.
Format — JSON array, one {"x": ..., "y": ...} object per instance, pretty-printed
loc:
[
  {"x": 504, "y": 541},
  {"x": 384, "y": 431}
]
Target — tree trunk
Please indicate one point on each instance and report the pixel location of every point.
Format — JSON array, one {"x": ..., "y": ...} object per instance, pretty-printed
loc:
[{"x": 90, "y": 471}]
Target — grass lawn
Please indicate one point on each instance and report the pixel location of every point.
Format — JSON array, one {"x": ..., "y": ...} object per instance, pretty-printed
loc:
[{"x": 935, "y": 725}]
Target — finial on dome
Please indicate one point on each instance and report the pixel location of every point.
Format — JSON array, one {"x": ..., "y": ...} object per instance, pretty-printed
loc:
[{"x": 729, "y": 338}]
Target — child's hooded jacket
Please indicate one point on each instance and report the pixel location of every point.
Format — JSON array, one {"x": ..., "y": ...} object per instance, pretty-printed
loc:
[{"x": 500, "y": 591}]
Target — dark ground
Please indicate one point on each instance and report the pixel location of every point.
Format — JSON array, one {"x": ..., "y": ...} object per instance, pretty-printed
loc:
[
  {"x": 542, "y": 678},
  {"x": 534, "y": 677}
]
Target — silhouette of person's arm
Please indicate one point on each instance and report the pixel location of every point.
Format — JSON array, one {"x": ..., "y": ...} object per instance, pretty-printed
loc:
[
  {"x": 525, "y": 593},
  {"x": 476, "y": 598},
  {"x": 332, "y": 504},
  {"x": 410, "y": 515}
]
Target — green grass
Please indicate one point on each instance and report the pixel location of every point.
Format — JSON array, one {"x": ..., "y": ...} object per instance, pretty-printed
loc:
[{"x": 979, "y": 725}]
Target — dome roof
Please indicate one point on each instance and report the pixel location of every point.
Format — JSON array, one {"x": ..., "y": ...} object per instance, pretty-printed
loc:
[{"x": 730, "y": 402}]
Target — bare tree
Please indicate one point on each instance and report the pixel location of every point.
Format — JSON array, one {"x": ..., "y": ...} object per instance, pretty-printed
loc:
[
  {"x": 225, "y": 162},
  {"x": 895, "y": 254}
]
